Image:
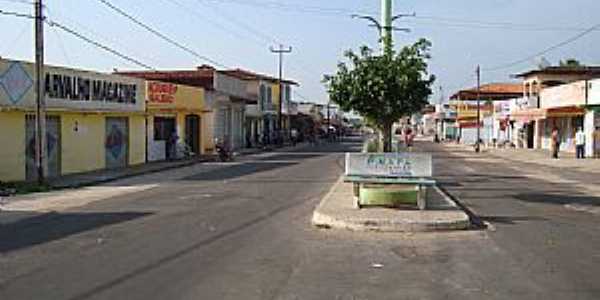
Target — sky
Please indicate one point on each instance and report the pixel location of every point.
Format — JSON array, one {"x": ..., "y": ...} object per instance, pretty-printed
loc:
[{"x": 238, "y": 33}]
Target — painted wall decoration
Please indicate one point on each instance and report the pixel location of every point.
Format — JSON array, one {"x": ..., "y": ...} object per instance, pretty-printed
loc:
[{"x": 16, "y": 82}]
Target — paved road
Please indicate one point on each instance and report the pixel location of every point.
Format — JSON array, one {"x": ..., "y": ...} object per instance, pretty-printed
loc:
[{"x": 242, "y": 231}]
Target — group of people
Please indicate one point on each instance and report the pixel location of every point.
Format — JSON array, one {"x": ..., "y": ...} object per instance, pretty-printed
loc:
[{"x": 579, "y": 143}]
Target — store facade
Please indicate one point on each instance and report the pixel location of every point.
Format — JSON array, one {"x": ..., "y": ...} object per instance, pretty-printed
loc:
[
  {"x": 93, "y": 121},
  {"x": 177, "y": 121}
]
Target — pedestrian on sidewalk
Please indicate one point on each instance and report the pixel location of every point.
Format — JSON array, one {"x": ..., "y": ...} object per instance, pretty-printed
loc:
[
  {"x": 555, "y": 143},
  {"x": 580, "y": 143}
]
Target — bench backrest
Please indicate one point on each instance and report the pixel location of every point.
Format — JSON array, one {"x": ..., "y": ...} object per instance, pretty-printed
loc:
[{"x": 400, "y": 164}]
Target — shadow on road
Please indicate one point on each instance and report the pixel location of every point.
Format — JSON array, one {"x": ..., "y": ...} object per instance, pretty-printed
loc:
[
  {"x": 236, "y": 171},
  {"x": 44, "y": 228},
  {"x": 511, "y": 220},
  {"x": 559, "y": 199}
]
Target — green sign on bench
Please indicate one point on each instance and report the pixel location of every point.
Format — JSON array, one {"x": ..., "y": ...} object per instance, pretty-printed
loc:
[{"x": 381, "y": 178}]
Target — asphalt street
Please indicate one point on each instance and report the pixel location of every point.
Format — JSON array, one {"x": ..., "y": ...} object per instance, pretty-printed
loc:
[{"x": 242, "y": 231}]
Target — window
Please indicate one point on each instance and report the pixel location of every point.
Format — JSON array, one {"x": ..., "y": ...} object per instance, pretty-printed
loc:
[
  {"x": 270, "y": 95},
  {"x": 262, "y": 97},
  {"x": 288, "y": 93}
]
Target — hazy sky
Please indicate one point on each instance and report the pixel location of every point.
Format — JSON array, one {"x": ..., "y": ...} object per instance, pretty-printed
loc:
[{"x": 238, "y": 33}]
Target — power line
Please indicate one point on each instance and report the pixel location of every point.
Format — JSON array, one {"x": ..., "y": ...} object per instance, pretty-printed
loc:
[
  {"x": 17, "y": 14},
  {"x": 160, "y": 35},
  {"x": 98, "y": 45},
  {"x": 19, "y": 1},
  {"x": 232, "y": 20},
  {"x": 295, "y": 7},
  {"x": 549, "y": 49}
]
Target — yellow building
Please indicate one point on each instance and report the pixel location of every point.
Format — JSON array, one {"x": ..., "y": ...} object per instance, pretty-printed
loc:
[
  {"x": 177, "y": 122},
  {"x": 93, "y": 121}
]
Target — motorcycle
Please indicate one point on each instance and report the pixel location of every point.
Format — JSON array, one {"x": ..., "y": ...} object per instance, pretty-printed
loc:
[{"x": 224, "y": 151}]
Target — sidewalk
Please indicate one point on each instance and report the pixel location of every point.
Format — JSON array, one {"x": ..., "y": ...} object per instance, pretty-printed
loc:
[
  {"x": 336, "y": 210},
  {"x": 536, "y": 156}
]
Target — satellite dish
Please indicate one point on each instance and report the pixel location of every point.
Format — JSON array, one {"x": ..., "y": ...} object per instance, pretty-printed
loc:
[{"x": 542, "y": 63}]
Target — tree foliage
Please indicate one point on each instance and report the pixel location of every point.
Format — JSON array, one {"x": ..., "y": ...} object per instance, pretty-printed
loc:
[
  {"x": 383, "y": 88},
  {"x": 570, "y": 62}
]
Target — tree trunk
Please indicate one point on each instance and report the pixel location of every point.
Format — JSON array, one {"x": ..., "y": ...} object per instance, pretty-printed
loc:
[{"x": 387, "y": 137}]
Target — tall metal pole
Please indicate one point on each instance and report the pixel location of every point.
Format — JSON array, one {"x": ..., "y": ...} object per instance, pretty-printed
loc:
[
  {"x": 386, "y": 24},
  {"x": 280, "y": 51},
  {"x": 477, "y": 145},
  {"x": 40, "y": 116}
]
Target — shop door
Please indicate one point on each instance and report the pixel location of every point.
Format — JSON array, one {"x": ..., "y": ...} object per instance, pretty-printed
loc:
[
  {"x": 530, "y": 134},
  {"x": 52, "y": 150},
  {"x": 164, "y": 130},
  {"x": 192, "y": 133},
  {"x": 116, "y": 142}
]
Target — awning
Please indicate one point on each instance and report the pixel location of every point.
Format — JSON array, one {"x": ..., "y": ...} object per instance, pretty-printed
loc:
[
  {"x": 469, "y": 124},
  {"x": 533, "y": 114},
  {"x": 569, "y": 111},
  {"x": 527, "y": 115}
]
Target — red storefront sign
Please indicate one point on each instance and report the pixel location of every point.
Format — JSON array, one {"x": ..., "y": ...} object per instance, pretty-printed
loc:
[{"x": 161, "y": 93}]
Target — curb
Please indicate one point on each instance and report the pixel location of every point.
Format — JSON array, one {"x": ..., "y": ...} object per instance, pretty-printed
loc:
[{"x": 324, "y": 220}]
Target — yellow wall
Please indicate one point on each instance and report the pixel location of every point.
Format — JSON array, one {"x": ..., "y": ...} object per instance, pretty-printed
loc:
[
  {"x": 137, "y": 140},
  {"x": 275, "y": 94},
  {"x": 12, "y": 149},
  {"x": 82, "y": 149},
  {"x": 207, "y": 139}
]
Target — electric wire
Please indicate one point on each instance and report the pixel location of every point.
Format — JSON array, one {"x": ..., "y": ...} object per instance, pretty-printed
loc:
[
  {"x": 161, "y": 35},
  {"x": 547, "y": 50},
  {"x": 98, "y": 44}
]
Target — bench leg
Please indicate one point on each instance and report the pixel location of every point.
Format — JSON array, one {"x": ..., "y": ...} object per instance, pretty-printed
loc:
[
  {"x": 421, "y": 198},
  {"x": 356, "y": 191}
]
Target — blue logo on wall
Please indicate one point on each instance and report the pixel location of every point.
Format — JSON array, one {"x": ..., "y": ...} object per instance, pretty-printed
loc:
[{"x": 15, "y": 82}]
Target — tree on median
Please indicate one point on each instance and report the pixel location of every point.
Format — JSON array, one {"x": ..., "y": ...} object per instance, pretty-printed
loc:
[{"x": 383, "y": 88}]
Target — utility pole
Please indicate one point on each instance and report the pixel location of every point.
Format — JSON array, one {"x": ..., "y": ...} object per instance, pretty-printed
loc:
[
  {"x": 40, "y": 115},
  {"x": 386, "y": 24},
  {"x": 281, "y": 51},
  {"x": 477, "y": 145}
]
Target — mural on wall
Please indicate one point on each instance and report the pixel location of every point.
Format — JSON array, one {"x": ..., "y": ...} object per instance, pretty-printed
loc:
[
  {"x": 114, "y": 141},
  {"x": 16, "y": 82}
]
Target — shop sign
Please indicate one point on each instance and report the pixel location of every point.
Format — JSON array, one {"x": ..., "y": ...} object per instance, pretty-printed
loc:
[
  {"x": 82, "y": 88},
  {"x": 161, "y": 93},
  {"x": 69, "y": 88}
]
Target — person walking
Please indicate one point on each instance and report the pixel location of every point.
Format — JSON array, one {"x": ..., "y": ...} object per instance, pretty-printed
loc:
[
  {"x": 555, "y": 143},
  {"x": 580, "y": 143}
]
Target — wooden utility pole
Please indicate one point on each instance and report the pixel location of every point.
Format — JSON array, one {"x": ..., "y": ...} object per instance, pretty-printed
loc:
[
  {"x": 40, "y": 107},
  {"x": 280, "y": 51}
]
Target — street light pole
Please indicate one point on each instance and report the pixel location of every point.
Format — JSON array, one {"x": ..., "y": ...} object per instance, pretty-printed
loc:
[
  {"x": 477, "y": 145},
  {"x": 280, "y": 52},
  {"x": 386, "y": 23},
  {"x": 40, "y": 116}
]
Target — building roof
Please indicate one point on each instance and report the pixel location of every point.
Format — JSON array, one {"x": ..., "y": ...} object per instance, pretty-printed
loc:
[
  {"x": 202, "y": 77},
  {"x": 249, "y": 75},
  {"x": 491, "y": 91},
  {"x": 593, "y": 71}
]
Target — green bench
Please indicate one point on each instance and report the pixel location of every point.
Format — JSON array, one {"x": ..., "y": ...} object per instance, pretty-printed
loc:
[{"x": 384, "y": 170}]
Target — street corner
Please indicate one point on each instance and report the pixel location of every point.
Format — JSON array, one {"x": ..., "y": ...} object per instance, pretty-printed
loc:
[{"x": 337, "y": 211}]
